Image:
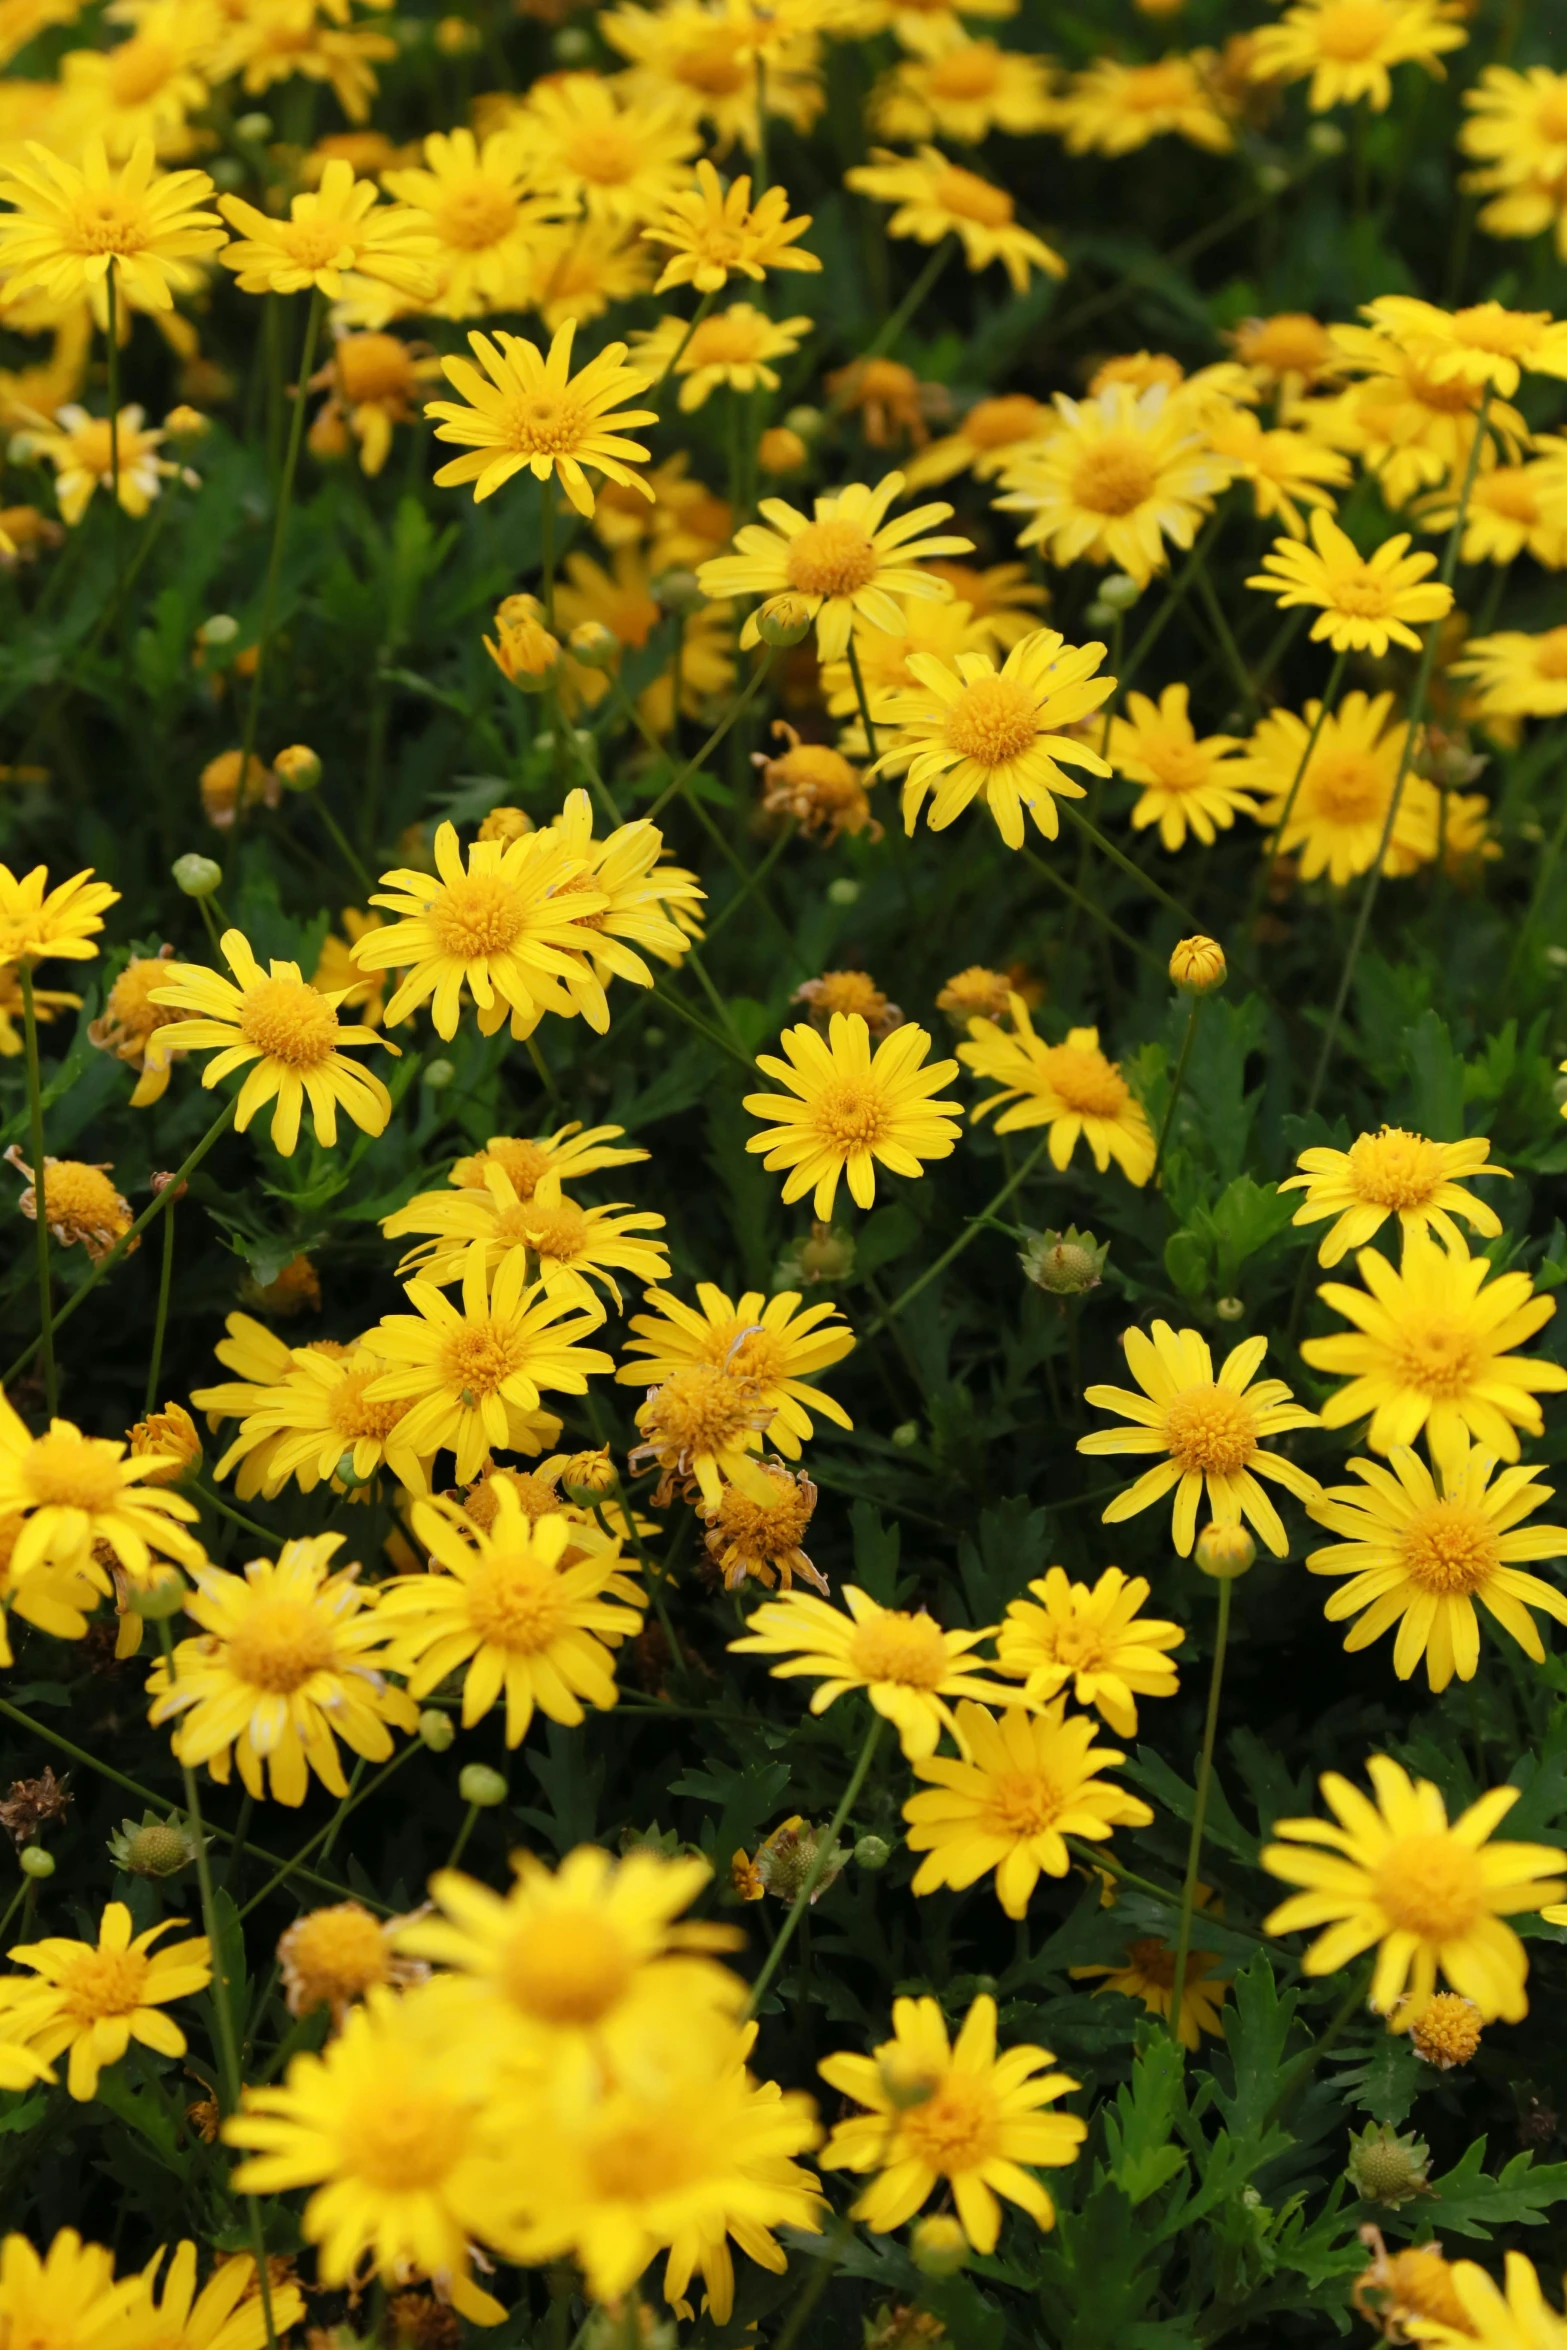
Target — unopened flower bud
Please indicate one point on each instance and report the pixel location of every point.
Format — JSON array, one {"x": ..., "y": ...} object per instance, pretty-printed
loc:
[
  {"x": 904, "y": 2081},
  {"x": 781, "y": 450},
  {"x": 843, "y": 891},
  {"x": 346, "y": 1475},
  {"x": 438, "y": 1074},
  {"x": 938, "y": 2246},
  {"x": 590, "y": 1473},
  {"x": 152, "y": 1848},
  {"x": 163, "y": 1597},
  {"x": 873, "y": 1852},
  {"x": 1230, "y": 1309},
  {"x": 526, "y": 652},
  {"x": 196, "y": 875},
  {"x": 297, "y": 768},
  {"x": 1099, "y": 616},
  {"x": 456, "y": 37},
  {"x": 479, "y": 1785},
  {"x": 35, "y": 1862},
  {"x": 906, "y": 1435},
  {"x": 1119, "y": 590},
  {"x": 506, "y": 824},
  {"x": 1273, "y": 178},
  {"x": 172, "y": 1435},
  {"x": 1325, "y": 138},
  {"x": 593, "y": 645},
  {"x": 184, "y": 423},
  {"x": 783, "y": 620},
  {"x": 678, "y": 591},
  {"x": 255, "y": 128},
  {"x": 806, "y": 421},
  {"x": 828, "y": 1255},
  {"x": 220, "y": 628},
  {"x": 572, "y": 45},
  {"x": 436, "y": 1730},
  {"x": 1387, "y": 2166},
  {"x": 1224, "y": 1552},
  {"x": 227, "y": 172},
  {"x": 1065, "y": 1263},
  {"x": 1197, "y": 966}
]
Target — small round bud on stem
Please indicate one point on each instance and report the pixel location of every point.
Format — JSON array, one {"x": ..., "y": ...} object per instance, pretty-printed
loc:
[
  {"x": 479, "y": 1785},
  {"x": 436, "y": 1730},
  {"x": 161, "y": 1599},
  {"x": 220, "y": 629},
  {"x": 196, "y": 875},
  {"x": 593, "y": 645},
  {"x": 1119, "y": 591},
  {"x": 783, "y": 620},
  {"x": 781, "y": 451},
  {"x": 1224, "y": 1552},
  {"x": 438, "y": 1074},
  {"x": 678, "y": 592},
  {"x": 35, "y": 1862},
  {"x": 873, "y": 1852},
  {"x": 1197, "y": 966},
  {"x": 298, "y": 768},
  {"x": 938, "y": 2246}
]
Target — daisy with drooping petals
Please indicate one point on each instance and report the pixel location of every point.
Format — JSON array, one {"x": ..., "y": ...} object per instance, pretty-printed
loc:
[
  {"x": 1432, "y": 1348},
  {"x": 1287, "y": 470},
  {"x": 963, "y": 92},
  {"x": 1026, "y": 1782},
  {"x": 848, "y": 563},
  {"x": 770, "y": 1343},
  {"x": 500, "y": 924},
  {"x": 620, "y": 161},
  {"x": 1091, "y": 1640},
  {"x": 983, "y": 443},
  {"x": 1338, "y": 789},
  {"x": 847, "y": 1109},
  {"x": 474, "y": 201},
  {"x": 711, "y": 230},
  {"x": 935, "y": 2111},
  {"x": 1113, "y": 107},
  {"x": 1392, "y": 1173},
  {"x": 1365, "y": 605},
  {"x": 522, "y": 410},
  {"x": 969, "y": 729},
  {"x": 287, "y": 1662},
  {"x": 906, "y": 1664},
  {"x": 101, "y": 1996},
  {"x": 507, "y": 1612},
  {"x": 37, "y": 922},
  {"x": 316, "y": 1419},
  {"x": 473, "y": 1374},
  {"x": 700, "y": 1427},
  {"x": 942, "y": 629},
  {"x": 1071, "y": 1088},
  {"x": 397, "y": 2135},
  {"x": 937, "y": 199},
  {"x": 1187, "y": 784},
  {"x": 1430, "y": 1894},
  {"x": 1146, "y": 1972},
  {"x": 340, "y": 226},
  {"x": 72, "y": 224},
  {"x": 292, "y": 1033},
  {"x": 1483, "y": 343},
  {"x": 1517, "y": 674},
  {"x": 568, "y": 1246},
  {"x": 74, "y": 1492},
  {"x": 1124, "y": 472},
  {"x": 228, "y": 2313},
  {"x": 1210, "y": 1430},
  {"x": 733, "y": 349},
  {"x": 572, "y": 1152},
  {"x": 1419, "y": 1555},
  {"x": 761, "y": 1541},
  {"x": 82, "y": 449},
  {"x": 1350, "y": 47}
]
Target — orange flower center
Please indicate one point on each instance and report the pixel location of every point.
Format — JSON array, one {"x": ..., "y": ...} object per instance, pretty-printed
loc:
[
  {"x": 732, "y": 339},
  {"x": 1345, "y": 787},
  {"x": 1020, "y": 1804},
  {"x": 70, "y": 1472},
  {"x": 534, "y": 1491},
  {"x": 515, "y": 1602},
  {"x": 566, "y": 1967},
  {"x": 995, "y": 721},
  {"x": 1155, "y": 1962},
  {"x": 373, "y": 367},
  {"x": 1349, "y": 31},
  {"x": 1076, "y": 1643},
  {"x": 285, "y": 1020},
  {"x": 1365, "y": 594},
  {"x": 1210, "y": 1429},
  {"x": 475, "y": 1360},
  {"x": 562, "y": 1232},
  {"x": 103, "y": 222},
  {"x": 1180, "y": 766},
  {"x": 831, "y": 559},
  {"x": 353, "y": 1417},
  {"x": 542, "y": 424},
  {"x": 1113, "y": 476},
  {"x": 477, "y": 916},
  {"x": 1551, "y": 119},
  {"x": 967, "y": 197},
  {"x": 603, "y": 152},
  {"x": 1089, "y": 1085},
  {"x": 317, "y": 244},
  {"x": 1452, "y": 397},
  {"x": 700, "y": 1410},
  {"x": 104, "y": 1983},
  {"x": 404, "y": 2138},
  {"x": 851, "y": 1114},
  {"x": 475, "y": 215},
  {"x": 1149, "y": 89},
  {"x": 278, "y": 1644},
  {"x": 1488, "y": 326},
  {"x": 714, "y": 69},
  {"x": 641, "y": 2160},
  {"x": 893, "y": 1646},
  {"x": 1449, "y": 1547},
  {"x": 1550, "y": 655},
  {"x": 956, "y": 2129},
  {"x": 520, "y": 1161},
  {"x": 995, "y": 424},
  {"x": 1437, "y": 1357},
  {"x": 967, "y": 73},
  {"x": 1394, "y": 1169},
  {"x": 1509, "y": 492},
  {"x": 1291, "y": 344},
  {"x": 336, "y": 1953},
  {"x": 1431, "y": 1886}
]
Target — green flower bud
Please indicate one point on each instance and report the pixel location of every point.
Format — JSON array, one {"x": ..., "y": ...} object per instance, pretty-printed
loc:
[
  {"x": 572, "y": 45},
  {"x": 254, "y": 128},
  {"x": 1325, "y": 138},
  {"x": 593, "y": 645},
  {"x": 1119, "y": 591},
  {"x": 221, "y": 629},
  {"x": 196, "y": 875},
  {"x": 906, "y": 1435},
  {"x": 437, "y": 1730},
  {"x": 1224, "y": 1552},
  {"x": 160, "y": 1599},
  {"x": 1099, "y": 616},
  {"x": 873, "y": 1852},
  {"x": 1388, "y": 2166},
  {"x": 1064, "y": 1263},
  {"x": 1230, "y": 1309},
  {"x": 438, "y": 1075},
  {"x": 479, "y": 1785},
  {"x": 784, "y": 620},
  {"x": 35, "y": 1862},
  {"x": 298, "y": 768},
  {"x": 844, "y": 891},
  {"x": 938, "y": 2246},
  {"x": 678, "y": 591},
  {"x": 151, "y": 1847}
]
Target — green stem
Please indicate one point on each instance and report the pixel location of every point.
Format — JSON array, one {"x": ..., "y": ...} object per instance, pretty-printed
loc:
[
  {"x": 899, "y": 319},
  {"x": 759, "y": 166},
  {"x": 1226, "y": 637},
  {"x": 13, "y": 1905},
  {"x": 1192, "y": 1018},
  {"x": 1275, "y": 839},
  {"x": 1199, "y": 242},
  {"x": 860, "y": 697},
  {"x": 974, "y": 1227},
  {"x": 679, "y": 351},
  {"x": 814, "y": 2287},
  {"x": 1202, "y": 548},
  {"x": 652, "y": 1573},
  {"x": 116, "y": 519},
  {"x": 547, "y": 553},
  {"x": 741, "y": 702},
  {"x": 1413, "y": 721},
  {"x": 285, "y": 502},
  {"x": 159, "y": 1204},
  {"x": 226, "y": 1509},
  {"x": 326, "y": 1837},
  {"x": 161, "y": 1324},
  {"x": 341, "y": 843},
  {"x": 808, "y": 1883},
  {"x": 1542, "y": 882},
  {"x": 1210, "y": 1728},
  {"x": 1093, "y": 909},
  {"x": 35, "y": 1119},
  {"x": 460, "y": 1842},
  {"x": 1107, "y": 848}
]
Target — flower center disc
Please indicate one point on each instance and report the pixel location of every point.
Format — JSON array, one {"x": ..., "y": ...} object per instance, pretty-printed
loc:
[
  {"x": 406, "y": 2140},
  {"x": 568, "y": 1967},
  {"x": 1550, "y": 655},
  {"x": 1437, "y": 1358},
  {"x": 373, "y": 367},
  {"x": 477, "y": 916},
  {"x": 279, "y": 1645},
  {"x": 1348, "y": 30},
  {"x": 994, "y": 722},
  {"x": 967, "y": 197},
  {"x": 1432, "y": 1886},
  {"x": 1347, "y": 788},
  {"x": 1022, "y": 1803},
  {"x": 902, "y": 1648},
  {"x": 317, "y": 244},
  {"x": 515, "y": 1603},
  {"x": 1086, "y": 1081},
  {"x": 1395, "y": 1169},
  {"x": 104, "y": 1983},
  {"x": 477, "y": 1358},
  {"x": 602, "y": 152},
  {"x": 475, "y": 216},
  {"x": 352, "y": 1417},
  {"x": 1449, "y": 1548},
  {"x": 956, "y": 2129},
  {"x": 1113, "y": 476},
  {"x": 285, "y": 1020},
  {"x": 851, "y": 1115},
  {"x": 831, "y": 559},
  {"x": 1211, "y": 1429},
  {"x": 700, "y": 1409},
  {"x": 72, "y": 1473},
  {"x": 968, "y": 73}
]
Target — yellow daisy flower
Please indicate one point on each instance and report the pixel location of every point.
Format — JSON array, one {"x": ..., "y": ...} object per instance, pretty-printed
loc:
[
  {"x": 336, "y": 972},
  {"x": 983, "y": 443},
  {"x": 1002, "y": 597},
  {"x": 621, "y": 599},
  {"x": 937, "y": 199},
  {"x": 399, "y": 2138},
  {"x": 1420, "y": 1554},
  {"x": 906, "y": 1665},
  {"x": 771, "y": 1343},
  {"x": 963, "y": 93},
  {"x": 101, "y": 1996},
  {"x": 1513, "y": 510},
  {"x": 1518, "y": 122},
  {"x": 1114, "y": 108},
  {"x": 944, "y": 629},
  {"x": 497, "y": 925},
  {"x": 955, "y": 2112},
  {"x": 288, "y": 1661},
  {"x": 73, "y": 1492},
  {"x": 761, "y": 1541},
  {"x": 527, "y": 412},
  {"x": 316, "y": 1425},
  {"x": 227, "y": 2314},
  {"x": 292, "y": 1033},
  {"x": 847, "y": 1108},
  {"x": 1093, "y": 1640},
  {"x": 145, "y": 87},
  {"x": 1366, "y": 606},
  {"x": 340, "y": 226},
  {"x": 473, "y": 1375},
  {"x": 699, "y": 1427},
  {"x": 1147, "y": 1972},
  {"x": 1125, "y": 472},
  {"x": 730, "y": 349},
  {"x": 1349, "y": 47},
  {"x": 1514, "y": 2315},
  {"x": 71, "y": 224},
  {"x": 272, "y": 41},
  {"x": 1412, "y": 429},
  {"x": 1210, "y": 1430},
  {"x": 1289, "y": 350},
  {"x": 1188, "y": 785},
  {"x": 970, "y": 729},
  {"x": 1483, "y": 343},
  {"x": 567, "y": 1246},
  {"x": 1342, "y": 799},
  {"x": 81, "y": 448},
  {"x": 331, "y": 1957},
  {"x": 702, "y": 61},
  {"x": 474, "y": 201},
  {"x": 1432, "y": 1348},
  {"x": 847, "y": 564},
  {"x": 1026, "y": 1783},
  {"x": 1517, "y": 673},
  {"x": 1071, "y": 1088},
  {"x": 581, "y": 268},
  {"x": 572, "y": 1152},
  {"x": 1393, "y": 1173},
  {"x": 1288, "y": 471},
  {"x": 67, "y": 2300},
  {"x": 509, "y": 1614},
  {"x": 1428, "y": 1894},
  {"x": 620, "y": 161},
  {"x": 711, "y": 230},
  {"x": 923, "y": 27},
  {"x": 37, "y": 922},
  {"x": 48, "y": 1002}
]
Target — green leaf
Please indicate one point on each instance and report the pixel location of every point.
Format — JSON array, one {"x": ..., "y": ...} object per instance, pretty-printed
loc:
[
  {"x": 749, "y": 1794},
  {"x": 1469, "y": 2201},
  {"x": 1096, "y": 2287},
  {"x": 876, "y": 1550},
  {"x": 1386, "y": 2083},
  {"x": 1436, "y": 1080},
  {"x": 1257, "y": 2027},
  {"x": 1187, "y": 1263},
  {"x": 1138, "y": 2128}
]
